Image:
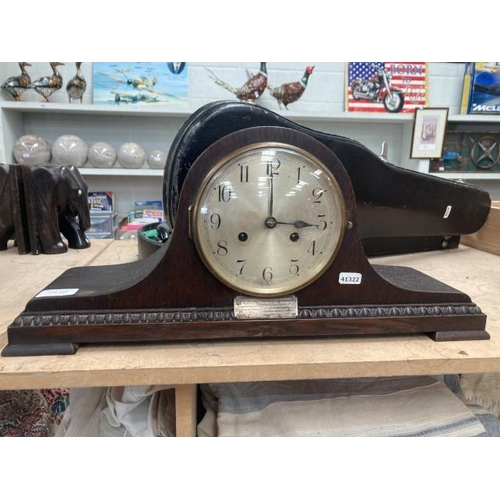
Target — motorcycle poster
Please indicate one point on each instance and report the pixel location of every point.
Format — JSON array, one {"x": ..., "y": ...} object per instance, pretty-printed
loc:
[{"x": 386, "y": 87}]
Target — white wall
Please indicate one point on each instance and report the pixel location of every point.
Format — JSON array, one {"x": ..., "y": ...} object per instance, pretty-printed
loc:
[{"x": 325, "y": 92}]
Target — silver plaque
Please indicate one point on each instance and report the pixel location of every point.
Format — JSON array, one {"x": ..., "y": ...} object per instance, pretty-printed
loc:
[{"x": 263, "y": 308}]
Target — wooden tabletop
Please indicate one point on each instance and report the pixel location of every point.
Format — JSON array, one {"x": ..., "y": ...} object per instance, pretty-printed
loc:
[{"x": 472, "y": 271}]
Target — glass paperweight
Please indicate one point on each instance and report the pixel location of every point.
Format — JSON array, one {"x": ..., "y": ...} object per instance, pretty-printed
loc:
[
  {"x": 32, "y": 150},
  {"x": 102, "y": 155},
  {"x": 69, "y": 150},
  {"x": 131, "y": 155},
  {"x": 157, "y": 159}
]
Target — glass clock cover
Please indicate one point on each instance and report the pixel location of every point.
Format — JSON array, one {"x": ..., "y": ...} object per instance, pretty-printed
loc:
[{"x": 269, "y": 219}]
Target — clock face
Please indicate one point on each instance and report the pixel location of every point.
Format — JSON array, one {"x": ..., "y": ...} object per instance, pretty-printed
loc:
[{"x": 268, "y": 219}]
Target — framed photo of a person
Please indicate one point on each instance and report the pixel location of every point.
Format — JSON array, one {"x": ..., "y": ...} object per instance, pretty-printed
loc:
[{"x": 429, "y": 127}]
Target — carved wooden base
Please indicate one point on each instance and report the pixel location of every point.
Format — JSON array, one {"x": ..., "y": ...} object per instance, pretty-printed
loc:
[{"x": 55, "y": 333}]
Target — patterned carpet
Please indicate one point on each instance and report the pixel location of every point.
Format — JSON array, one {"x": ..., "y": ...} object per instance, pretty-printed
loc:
[{"x": 32, "y": 413}]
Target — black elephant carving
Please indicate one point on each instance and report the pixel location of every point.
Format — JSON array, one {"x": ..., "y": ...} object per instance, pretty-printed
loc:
[
  {"x": 57, "y": 203},
  {"x": 7, "y": 227},
  {"x": 54, "y": 202}
]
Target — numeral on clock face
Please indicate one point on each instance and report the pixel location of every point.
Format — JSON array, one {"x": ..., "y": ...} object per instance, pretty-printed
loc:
[
  {"x": 225, "y": 193},
  {"x": 215, "y": 221},
  {"x": 273, "y": 167},
  {"x": 243, "y": 173}
]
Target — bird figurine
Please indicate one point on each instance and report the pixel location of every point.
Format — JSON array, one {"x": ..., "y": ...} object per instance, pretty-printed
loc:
[
  {"x": 251, "y": 90},
  {"x": 47, "y": 85},
  {"x": 16, "y": 85},
  {"x": 290, "y": 92},
  {"x": 77, "y": 85}
]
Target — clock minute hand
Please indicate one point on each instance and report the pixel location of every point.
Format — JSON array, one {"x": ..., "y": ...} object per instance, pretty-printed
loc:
[{"x": 271, "y": 196}]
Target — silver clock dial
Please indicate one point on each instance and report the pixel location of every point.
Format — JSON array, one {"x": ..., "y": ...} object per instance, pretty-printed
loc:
[{"x": 268, "y": 219}]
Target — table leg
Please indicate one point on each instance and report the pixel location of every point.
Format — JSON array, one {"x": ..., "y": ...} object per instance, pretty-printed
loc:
[{"x": 185, "y": 410}]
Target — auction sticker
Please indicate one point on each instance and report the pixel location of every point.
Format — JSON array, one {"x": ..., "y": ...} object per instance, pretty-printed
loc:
[
  {"x": 350, "y": 278},
  {"x": 58, "y": 292}
]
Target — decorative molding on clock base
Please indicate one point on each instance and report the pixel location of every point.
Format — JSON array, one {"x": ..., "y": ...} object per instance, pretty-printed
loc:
[{"x": 58, "y": 333}]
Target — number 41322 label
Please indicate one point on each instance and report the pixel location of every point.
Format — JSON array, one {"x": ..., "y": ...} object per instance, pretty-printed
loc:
[{"x": 350, "y": 278}]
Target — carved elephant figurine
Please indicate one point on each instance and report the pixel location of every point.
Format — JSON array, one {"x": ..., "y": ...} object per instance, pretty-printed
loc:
[
  {"x": 57, "y": 203},
  {"x": 7, "y": 227}
]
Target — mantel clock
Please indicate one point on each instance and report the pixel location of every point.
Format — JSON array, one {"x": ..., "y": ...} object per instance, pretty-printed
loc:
[{"x": 265, "y": 245}]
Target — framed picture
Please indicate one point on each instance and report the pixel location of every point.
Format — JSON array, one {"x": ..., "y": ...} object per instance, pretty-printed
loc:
[
  {"x": 385, "y": 87},
  {"x": 140, "y": 83},
  {"x": 429, "y": 127}
]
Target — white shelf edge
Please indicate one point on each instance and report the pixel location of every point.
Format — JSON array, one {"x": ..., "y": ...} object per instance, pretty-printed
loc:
[
  {"x": 474, "y": 118},
  {"x": 185, "y": 111},
  {"x": 93, "y": 109},
  {"x": 466, "y": 175},
  {"x": 123, "y": 172}
]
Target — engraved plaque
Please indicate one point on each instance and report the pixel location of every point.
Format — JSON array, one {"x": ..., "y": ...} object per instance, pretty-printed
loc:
[{"x": 263, "y": 308}]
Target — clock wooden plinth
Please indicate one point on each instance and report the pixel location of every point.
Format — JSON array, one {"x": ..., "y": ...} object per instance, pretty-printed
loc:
[{"x": 299, "y": 243}]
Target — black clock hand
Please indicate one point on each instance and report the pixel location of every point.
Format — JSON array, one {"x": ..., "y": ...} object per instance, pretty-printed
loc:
[
  {"x": 299, "y": 224},
  {"x": 271, "y": 196},
  {"x": 270, "y": 221}
]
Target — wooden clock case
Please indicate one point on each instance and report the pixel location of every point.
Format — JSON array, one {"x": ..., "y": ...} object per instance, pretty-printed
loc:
[{"x": 171, "y": 296}]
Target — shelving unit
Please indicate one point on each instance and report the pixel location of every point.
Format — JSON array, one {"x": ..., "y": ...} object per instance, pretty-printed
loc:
[
  {"x": 154, "y": 126},
  {"x": 485, "y": 180},
  {"x": 152, "y": 129}
]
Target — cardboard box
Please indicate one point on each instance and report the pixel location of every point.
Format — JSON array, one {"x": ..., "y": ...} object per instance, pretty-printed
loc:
[{"x": 101, "y": 201}]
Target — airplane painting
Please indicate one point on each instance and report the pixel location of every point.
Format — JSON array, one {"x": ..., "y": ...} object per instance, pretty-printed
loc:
[{"x": 141, "y": 83}]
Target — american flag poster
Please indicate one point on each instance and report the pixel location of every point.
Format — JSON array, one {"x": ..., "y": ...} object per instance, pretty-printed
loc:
[{"x": 386, "y": 87}]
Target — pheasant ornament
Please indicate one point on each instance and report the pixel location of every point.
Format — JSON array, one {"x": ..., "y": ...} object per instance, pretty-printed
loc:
[
  {"x": 291, "y": 92},
  {"x": 251, "y": 90},
  {"x": 17, "y": 85},
  {"x": 47, "y": 85}
]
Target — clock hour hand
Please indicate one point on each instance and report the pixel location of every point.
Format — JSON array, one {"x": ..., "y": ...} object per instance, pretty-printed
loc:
[{"x": 299, "y": 224}]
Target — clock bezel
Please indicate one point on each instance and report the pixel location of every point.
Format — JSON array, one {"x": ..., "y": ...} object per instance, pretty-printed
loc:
[{"x": 318, "y": 270}]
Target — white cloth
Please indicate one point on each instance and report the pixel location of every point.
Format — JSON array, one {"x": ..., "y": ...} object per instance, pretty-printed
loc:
[
  {"x": 135, "y": 411},
  {"x": 83, "y": 413},
  {"x": 397, "y": 406}
]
